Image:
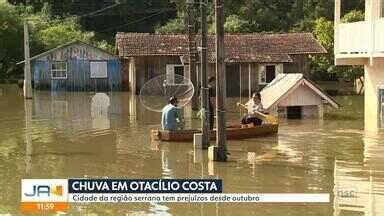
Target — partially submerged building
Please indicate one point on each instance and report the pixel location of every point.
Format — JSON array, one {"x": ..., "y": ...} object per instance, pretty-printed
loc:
[
  {"x": 252, "y": 60},
  {"x": 362, "y": 43},
  {"x": 76, "y": 66},
  {"x": 294, "y": 97}
]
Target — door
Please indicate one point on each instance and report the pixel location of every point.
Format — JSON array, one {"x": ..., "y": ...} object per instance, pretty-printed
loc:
[
  {"x": 294, "y": 112},
  {"x": 270, "y": 73},
  {"x": 232, "y": 73}
]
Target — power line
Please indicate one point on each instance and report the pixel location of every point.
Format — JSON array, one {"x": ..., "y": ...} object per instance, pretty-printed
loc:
[
  {"x": 94, "y": 13},
  {"x": 135, "y": 21}
]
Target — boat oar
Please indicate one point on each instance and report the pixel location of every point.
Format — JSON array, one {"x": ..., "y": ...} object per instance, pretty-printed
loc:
[{"x": 267, "y": 118}]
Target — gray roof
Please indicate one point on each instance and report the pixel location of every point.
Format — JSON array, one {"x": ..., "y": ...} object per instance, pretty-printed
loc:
[
  {"x": 66, "y": 45},
  {"x": 282, "y": 85}
]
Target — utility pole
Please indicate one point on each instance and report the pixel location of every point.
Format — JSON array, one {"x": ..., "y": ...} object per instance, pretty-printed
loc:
[
  {"x": 191, "y": 31},
  {"x": 27, "y": 64},
  {"x": 219, "y": 152},
  {"x": 204, "y": 84}
]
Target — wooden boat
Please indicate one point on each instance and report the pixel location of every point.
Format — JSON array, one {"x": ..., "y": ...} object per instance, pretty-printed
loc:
[{"x": 233, "y": 132}]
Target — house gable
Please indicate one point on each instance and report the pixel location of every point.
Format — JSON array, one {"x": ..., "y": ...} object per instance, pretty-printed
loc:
[
  {"x": 301, "y": 96},
  {"x": 76, "y": 50},
  {"x": 289, "y": 87}
]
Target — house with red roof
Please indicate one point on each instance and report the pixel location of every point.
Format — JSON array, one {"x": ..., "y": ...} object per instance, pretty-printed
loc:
[{"x": 252, "y": 60}]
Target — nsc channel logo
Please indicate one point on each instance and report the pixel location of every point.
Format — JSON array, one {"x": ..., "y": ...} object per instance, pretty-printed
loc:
[{"x": 44, "y": 194}]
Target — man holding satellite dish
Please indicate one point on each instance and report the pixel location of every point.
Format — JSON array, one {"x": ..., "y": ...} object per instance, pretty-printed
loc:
[{"x": 170, "y": 116}]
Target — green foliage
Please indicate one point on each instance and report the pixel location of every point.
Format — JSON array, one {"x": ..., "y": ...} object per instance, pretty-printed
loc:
[
  {"x": 234, "y": 24},
  {"x": 176, "y": 25},
  {"x": 304, "y": 25},
  {"x": 323, "y": 64},
  {"x": 350, "y": 109},
  {"x": 59, "y": 32},
  {"x": 11, "y": 30},
  {"x": 52, "y": 23},
  {"x": 45, "y": 31},
  {"x": 105, "y": 45},
  {"x": 353, "y": 16}
]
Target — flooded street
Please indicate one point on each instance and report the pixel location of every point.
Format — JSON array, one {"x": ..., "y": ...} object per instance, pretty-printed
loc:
[{"x": 76, "y": 135}]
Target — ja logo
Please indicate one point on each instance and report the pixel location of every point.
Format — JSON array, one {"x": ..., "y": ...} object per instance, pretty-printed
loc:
[{"x": 44, "y": 190}]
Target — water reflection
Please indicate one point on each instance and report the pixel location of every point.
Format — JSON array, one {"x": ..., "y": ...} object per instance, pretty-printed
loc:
[
  {"x": 359, "y": 183},
  {"x": 28, "y": 136},
  {"x": 99, "y": 111},
  {"x": 97, "y": 135}
]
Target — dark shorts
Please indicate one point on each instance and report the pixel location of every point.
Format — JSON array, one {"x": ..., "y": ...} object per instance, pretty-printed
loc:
[
  {"x": 250, "y": 119},
  {"x": 211, "y": 116}
]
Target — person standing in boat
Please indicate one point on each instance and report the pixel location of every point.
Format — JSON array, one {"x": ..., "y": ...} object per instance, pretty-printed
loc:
[
  {"x": 211, "y": 100},
  {"x": 253, "y": 106},
  {"x": 170, "y": 116}
]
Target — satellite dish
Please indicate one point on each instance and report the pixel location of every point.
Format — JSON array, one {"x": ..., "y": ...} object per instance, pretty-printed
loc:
[{"x": 155, "y": 93}]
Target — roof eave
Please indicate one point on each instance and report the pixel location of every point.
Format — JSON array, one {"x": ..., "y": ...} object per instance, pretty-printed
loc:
[
  {"x": 311, "y": 85},
  {"x": 65, "y": 45}
]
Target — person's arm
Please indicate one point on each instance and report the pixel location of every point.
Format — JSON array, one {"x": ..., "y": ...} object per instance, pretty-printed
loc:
[
  {"x": 163, "y": 122},
  {"x": 260, "y": 108},
  {"x": 179, "y": 118}
]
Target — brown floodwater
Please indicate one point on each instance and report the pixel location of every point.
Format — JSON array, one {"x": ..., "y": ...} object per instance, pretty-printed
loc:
[{"x": 106, "y": 135}]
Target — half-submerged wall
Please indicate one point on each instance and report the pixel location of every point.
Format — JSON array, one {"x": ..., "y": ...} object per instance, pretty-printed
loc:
[
  {"x": 76, "y": 67},
  {"x": 374, "y": 103}
]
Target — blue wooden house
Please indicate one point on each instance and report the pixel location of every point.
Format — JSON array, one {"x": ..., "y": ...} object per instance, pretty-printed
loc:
[{"x": 76, "y": 66}]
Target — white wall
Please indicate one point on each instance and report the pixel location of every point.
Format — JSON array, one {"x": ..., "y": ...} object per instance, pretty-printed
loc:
[
  {"x": 302, "y": 96},
  {"x": 374, "y": 76},
  {"x": 311, "y": 111}
]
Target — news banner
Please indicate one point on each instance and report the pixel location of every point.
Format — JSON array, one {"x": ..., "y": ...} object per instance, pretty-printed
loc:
[{"x": 57, "y": 194}]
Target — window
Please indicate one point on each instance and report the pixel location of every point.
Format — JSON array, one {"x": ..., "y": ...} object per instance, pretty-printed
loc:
[
  {"x": 175, "y": 74},
  {"x": 99, "y": 69},
  {"x": 179, "y": 70},
  {"x": 59, "y": 70},
  {"x": 270, "y": 73},
  {"x": 267, "y": 73}
]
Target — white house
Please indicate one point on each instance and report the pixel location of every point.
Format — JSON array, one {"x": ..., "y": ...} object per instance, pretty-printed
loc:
[
  {"x": 362, "y": 43},
  {"x": 294, "y": 97}
]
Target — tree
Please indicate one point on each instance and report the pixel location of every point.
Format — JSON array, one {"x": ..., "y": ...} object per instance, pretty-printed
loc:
[
  {"x": 234, "y": 24},
  {"x": 109, "y": 16},
  {"x": 11, "y": 31},
  {"x": 176, "y": 25},
  {"x": 62, "y": 31},
  {"x": 46, "y": 33},
  {"x": 323, "y": 64}
]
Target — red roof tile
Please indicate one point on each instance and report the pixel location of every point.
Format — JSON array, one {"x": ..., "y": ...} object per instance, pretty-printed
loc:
[{"x": 257, "y": 47}]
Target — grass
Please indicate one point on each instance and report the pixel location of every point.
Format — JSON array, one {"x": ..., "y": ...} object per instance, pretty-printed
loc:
[{"x": 351, "y": 108}]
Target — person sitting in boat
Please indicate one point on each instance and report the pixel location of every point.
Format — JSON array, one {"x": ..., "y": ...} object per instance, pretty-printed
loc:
[
  {"x": 170, "y": 116},
  {"x": 254, "y": 106}
]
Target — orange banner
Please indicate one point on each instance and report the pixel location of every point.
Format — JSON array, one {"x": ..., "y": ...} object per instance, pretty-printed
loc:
[{"x": 44, "y": 206}]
